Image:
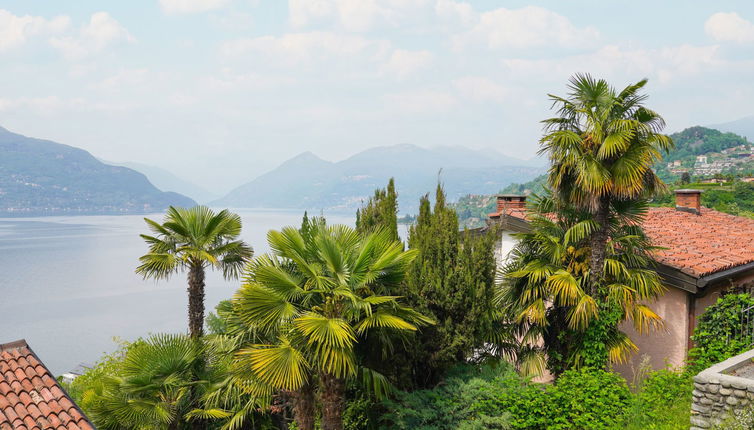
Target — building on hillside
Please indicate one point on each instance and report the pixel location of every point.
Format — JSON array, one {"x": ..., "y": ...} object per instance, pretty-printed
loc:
[
  {"x": 705, "y": 253},
  {"x": 30, "y": 398}
]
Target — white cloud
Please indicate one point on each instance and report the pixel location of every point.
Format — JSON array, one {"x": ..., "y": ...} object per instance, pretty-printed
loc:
[
  {"x": 527, "y": 27},
  {"x": 352, "y": 15},
  {"x": 449, "y": 10},
  {"x": 480, "y": 89},
  {"x": 420, "y": 101},
  {"x": 123, "y": 78},
  {"x": 229, "y": 80},
  {"x": 101, "y": 31},
  {"x": 16, "y": 30},
  {"x": 403, "y": 63},
  {"x": 729, "y": 27},
  {"x": 297, "y": 48},
  {"x": 613, "y": 62},
  {"x": 190, "y": 6}
]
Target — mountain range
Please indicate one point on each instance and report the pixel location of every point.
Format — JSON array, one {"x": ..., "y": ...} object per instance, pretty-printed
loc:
[
  {"x": 307, "y": 181},
  {"x": 41, "y": 177},
  {"x": 167, "y": 181}
]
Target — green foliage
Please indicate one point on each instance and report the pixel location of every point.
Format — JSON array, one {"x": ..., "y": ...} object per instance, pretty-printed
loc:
[
  {"x": 495, "y": 397},
  {"x": 452, "y": 282},
  {"x": 718, "y": 335},
  {"x": 589, "y": 399},
  {"x": 473, "y": 210},
  {"x": 361, "y": 412},
  {"x": 736, "y": 198},
  {"x": 108, "y": 365},
  {"x": 698, "y": 140},
  {"x": 380, "y": 212},
  {"x": 545, "y": 293},
  {"x": 662, "y": 401},
  {"x": 318, "y": 296},
  {"x": 468, "y": 395},
  {"x": 537, "y": 185},
  {"x": 168, "y": 381}
]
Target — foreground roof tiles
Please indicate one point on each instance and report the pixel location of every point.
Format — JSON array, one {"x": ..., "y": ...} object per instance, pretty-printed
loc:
[
  {"x": 698, "y": 245},
  {"x": 30, "y": 398}
]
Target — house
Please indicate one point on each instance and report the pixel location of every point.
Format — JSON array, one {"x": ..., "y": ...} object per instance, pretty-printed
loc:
[
  {"x": 705, "y": 252},
  {"x": 77, "y": 371},
  {"x": 30, "y": 398}
]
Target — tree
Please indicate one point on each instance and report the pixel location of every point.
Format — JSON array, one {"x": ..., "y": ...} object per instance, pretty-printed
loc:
[
  {"x": 685, "y": 178},
  {"x": 380, "y": 212},
  {"x": 168, "y": 382},
  {"x": 602, "y": 146},
  {"x": 194, "y": 239},
  {"x": 545, "y": 290},
  {"x": 316, "y": 296},
  {"x": 451, "y": 281},
  {"x": 149, "y": 388}
]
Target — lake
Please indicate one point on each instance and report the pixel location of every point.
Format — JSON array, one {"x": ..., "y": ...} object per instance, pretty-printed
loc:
[{"x": 67, "y": 284}]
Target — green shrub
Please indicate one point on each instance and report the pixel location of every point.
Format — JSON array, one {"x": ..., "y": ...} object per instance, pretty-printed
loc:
[
  {"x": 360, "y": 413},
  {"x": 468, "y": 398},
  {"x": 717, "y": 335},
  {"x": 497, "y": 398},
  {"x": 663, "y": 401},
  {"x": 589, "y": 399}
]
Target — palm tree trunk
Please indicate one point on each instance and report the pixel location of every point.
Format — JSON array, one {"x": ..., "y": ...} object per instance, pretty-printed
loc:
[
  {"x": 196, "y": 300},
  {"x": 597, "y": 245},
  {"x": 303, "y": 407},
  {"x": 333, "y": 402}
]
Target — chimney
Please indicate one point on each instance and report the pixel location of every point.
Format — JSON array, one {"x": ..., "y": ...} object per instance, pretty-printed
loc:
[
  {"x": 688, "y": 201},
  {"x": 510, "y": 201}
]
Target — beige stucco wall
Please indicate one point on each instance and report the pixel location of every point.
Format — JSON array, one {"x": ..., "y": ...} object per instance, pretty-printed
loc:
[{"x": 666, "y": 346}]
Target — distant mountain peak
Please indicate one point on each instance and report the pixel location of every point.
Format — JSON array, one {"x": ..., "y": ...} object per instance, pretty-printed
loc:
[{"x": 307, "y": 181}]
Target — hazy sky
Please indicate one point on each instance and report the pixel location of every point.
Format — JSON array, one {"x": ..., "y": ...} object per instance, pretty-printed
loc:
[{"x": 222, "y": 90}]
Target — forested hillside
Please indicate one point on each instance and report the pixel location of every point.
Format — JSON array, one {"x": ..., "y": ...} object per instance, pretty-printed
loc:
[{"x": 40, "y": 177}]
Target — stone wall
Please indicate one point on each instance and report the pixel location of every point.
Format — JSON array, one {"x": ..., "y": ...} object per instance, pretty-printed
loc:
[{"x": 718, "y": 392}]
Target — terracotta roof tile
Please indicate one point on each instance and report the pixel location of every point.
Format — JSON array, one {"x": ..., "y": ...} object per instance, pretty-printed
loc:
[
  {"x": 700, "y": 245},
  {"x": 697, "y": 245},
  {"x": 30, "y": 398}
]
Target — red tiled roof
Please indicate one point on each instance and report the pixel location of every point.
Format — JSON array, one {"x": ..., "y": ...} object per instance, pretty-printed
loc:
[
  {"x": 30, "y": 398},
  {"x": 700, "y": 245},
  {"x": 697, "y": 245},
  {"x": 514, "y": 212}
]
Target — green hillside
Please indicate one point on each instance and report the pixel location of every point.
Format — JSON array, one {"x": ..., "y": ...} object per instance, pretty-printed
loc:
[
  {"x": 40, "y": 177},
  {"x": 730, "y": 151}
]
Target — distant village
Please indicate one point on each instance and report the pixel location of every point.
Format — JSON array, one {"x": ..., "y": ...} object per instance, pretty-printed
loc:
[{"x": 734, "y": 159}]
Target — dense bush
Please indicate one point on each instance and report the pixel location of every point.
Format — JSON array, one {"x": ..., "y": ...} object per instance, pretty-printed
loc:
[
  {"x": 717, "y": 336},
  {"x": 495, "y": 397},
  {"x": 662, "y": 401}
]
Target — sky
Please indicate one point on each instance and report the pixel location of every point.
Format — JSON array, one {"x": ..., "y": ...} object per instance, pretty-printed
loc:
[{"x": 220, "y": 91}]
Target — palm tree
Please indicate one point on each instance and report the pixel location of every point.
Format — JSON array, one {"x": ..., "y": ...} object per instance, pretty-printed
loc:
[
  {"x": 545, "y": 292},
  {"x": 151, "y": 388},
  {"x": 316, "y": 294},
  {"x": 602, "y": 146},
  {"x": 194, "y": 239}
]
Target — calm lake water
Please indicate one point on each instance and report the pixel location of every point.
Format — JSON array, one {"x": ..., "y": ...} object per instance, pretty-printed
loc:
[{"x": 67, "y": 284}]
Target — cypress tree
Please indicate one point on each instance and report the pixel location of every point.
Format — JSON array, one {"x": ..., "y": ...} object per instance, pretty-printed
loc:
[
  {"x": 451, "y": 281},
  {"x": 381, "y": 211}
]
